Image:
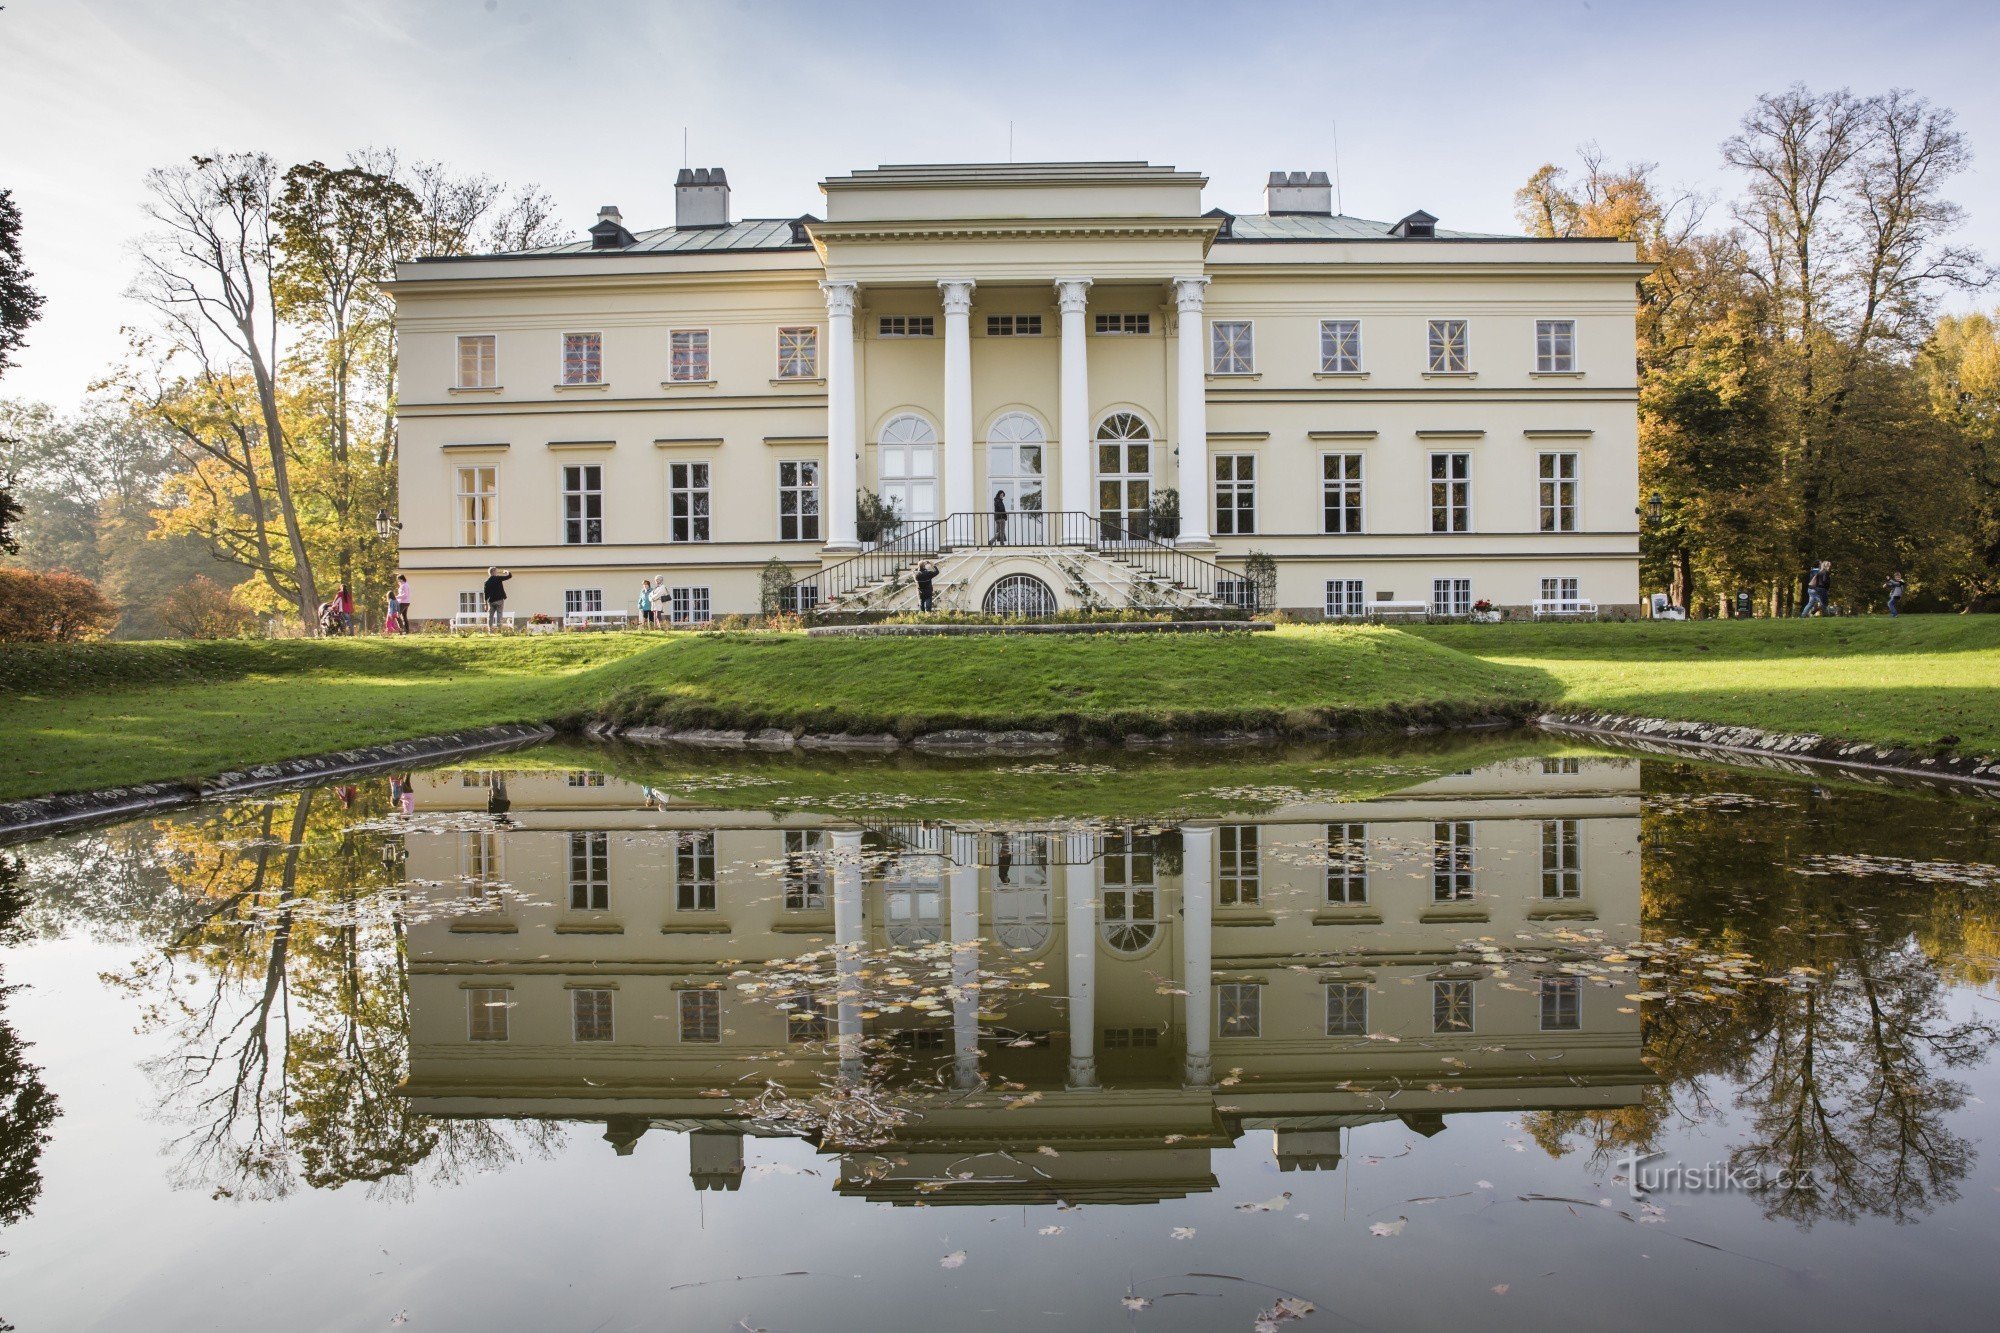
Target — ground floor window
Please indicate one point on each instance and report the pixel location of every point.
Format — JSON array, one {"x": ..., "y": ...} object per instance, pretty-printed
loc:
[
  {"x": 1020, "y": 595},
  {"x": 1347, "y": 1009},
  {"x": 688, "y": 606},
  {"x": 582, "y": 601},
  {"x": 1240, "y": 1010},
  {"x": 1240, "y": 593},
  {"x": 470, "y": 604},
  {"x": 1559, "y": 590},
  {"x": 1235, "y": 495},
  {"x": 590, "y": 1015},
  {"x": 1344, "y": 598},
  {"x": 799, "y": 599},
  {"x": 694, "y": 873},
  {"x": 1451, "y": 597}
]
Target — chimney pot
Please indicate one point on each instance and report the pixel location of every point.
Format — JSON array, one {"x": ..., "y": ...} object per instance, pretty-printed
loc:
[
  {"x": 701, "y": 197},
  {"x": 1299, "y": 192}
]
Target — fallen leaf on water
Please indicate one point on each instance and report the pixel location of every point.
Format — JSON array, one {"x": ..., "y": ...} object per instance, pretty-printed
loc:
[
  {"x": 1046, "y": 1151},
  {"x": 1268, "y": 1206},
  {"x": 1501, "y": 1289},
  {"x": 1285, "y": 1311},
  {"x": 953, "y": 1260},
  {"x": 1134, "y": 1302},
  {"x": 1050, "y": 1231},
  {"x": 1182, "y": 1233},
  {"x": 1394, "y": 1228}
]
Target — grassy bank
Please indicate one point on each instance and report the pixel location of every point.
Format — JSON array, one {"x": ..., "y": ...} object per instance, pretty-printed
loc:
[{"x": 1927, "y": 681}]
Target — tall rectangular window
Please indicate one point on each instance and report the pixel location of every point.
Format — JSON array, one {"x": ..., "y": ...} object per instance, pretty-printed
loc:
[
  {"x": 694, "y": 872},
  {"x": 589, "y": 872},
  {"x": 470, "y": 604},
  {"x": 701, "y": 1016},
  {"x": 1555, "y": 346},
  {"x": 1340, "y": 347},
  {"x": 583, "y": 504},
  {"x": 1340, "y": 492},
  {"x": 1451, "y": 1006},
  {"x": 1239, "y": 1010},
  {"x": 583, "y": 601},
  {"x": 1562, "y": 1004},
  {"x": 1230, "y": 347},
  {"x": 1235, "y": 495},
  {"x": 1449, "y": 347},
  {"x": 1560, "y": 588},
  {"x": 1558, "y": 495},
  {"x": 798, "y": 499},
  {"x": 1238, "y": 879},
  {"x": 590, "y": 1015},
  {"x": 1344, "y": 599},
  {"x": 687, "y": 502},
  {"x": 1347, "y": 864},
  {"x": 486, "y": 1014},
  {"x": 1451, "y": 597},
  {"x": 478, "y": 361},
  {"x": 688, "y": 356},
  {"x": 1347, "y": 1009},
  {"x": 583, "y": 358},
  {"x": 798, "y": 353},
  {"x": 1451, "y": 492},
  {"x": 805, "y": 870},
  {"x": 688, "y": 606},
  {"x": 1562, "y": 860},
  {"x": 478, "y": 506},
  {"x": 1452, "y": 868}
]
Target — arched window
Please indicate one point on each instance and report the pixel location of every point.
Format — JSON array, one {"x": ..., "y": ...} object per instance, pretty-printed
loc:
[
  {"x": 1015, "y": 457},
  {"x": 908, "y": 428},
  {"x": 1128, "y": 893},
  {"x": 1020, "y": 595},
  {"x": 1017, "y": 428},
  {"x": 1125, "y": 473},
  {"x": 907, "y": 464}
]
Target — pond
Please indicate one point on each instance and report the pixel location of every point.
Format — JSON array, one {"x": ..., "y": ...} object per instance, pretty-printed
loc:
[{"x": 1500, "y": 1030}]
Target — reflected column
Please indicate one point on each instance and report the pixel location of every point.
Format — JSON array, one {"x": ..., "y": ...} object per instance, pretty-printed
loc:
[
  {"x": 965, "y": 959},
  {"x": 847, "y": 943},
  {"x": 1080, "y": 934},
  {"x": 1197, "y": 919}
]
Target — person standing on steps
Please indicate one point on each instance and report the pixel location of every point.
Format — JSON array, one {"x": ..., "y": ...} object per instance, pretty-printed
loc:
[
  {"x": 926, "y": 583},
  {"x": 495, "y": 593},
  {"x": 999, "y": 518},
  {"x": 1816, "y": 587},
  {"x": 1895, "y": 586}
]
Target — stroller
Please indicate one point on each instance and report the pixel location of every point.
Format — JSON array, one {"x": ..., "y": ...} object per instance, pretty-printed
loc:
[{"x": 331, "y": 620}]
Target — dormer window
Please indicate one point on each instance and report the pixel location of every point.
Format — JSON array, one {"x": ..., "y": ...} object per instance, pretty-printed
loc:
[{"x": 1417, "y": 226}]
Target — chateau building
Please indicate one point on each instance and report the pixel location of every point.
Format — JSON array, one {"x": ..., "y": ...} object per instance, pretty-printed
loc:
[{"x": 1401, "y": 416}]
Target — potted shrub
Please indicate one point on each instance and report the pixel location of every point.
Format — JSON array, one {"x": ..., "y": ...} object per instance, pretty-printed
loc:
[
  {"x": 543, "y": 623},
  {"x": 1485, "y": 612}
]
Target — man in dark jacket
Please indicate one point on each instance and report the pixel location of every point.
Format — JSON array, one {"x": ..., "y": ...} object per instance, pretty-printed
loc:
[
  {"x": 1817, "y": 585},
  {"x": 926, "y": 581},
  {"x": 495, "y": 593}
]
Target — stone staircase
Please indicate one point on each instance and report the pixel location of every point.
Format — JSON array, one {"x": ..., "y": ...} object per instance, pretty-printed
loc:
[{"x": 1082, "y": 580}]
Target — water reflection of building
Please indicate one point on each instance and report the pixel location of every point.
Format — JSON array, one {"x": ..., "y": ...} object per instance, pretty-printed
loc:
[{"x": 1229, "y": 975}]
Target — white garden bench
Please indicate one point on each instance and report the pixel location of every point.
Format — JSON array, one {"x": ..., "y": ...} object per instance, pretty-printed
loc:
[
  {"x": 1387, "y": 609},
  {"x": 597, "y": 619},
  {"x": 478, "y": 620},
  {"x": 1581, "y": 607}
]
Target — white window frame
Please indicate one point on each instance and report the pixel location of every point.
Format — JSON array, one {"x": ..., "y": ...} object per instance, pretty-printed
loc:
[
  {"x": 583, "y": 492},
  {"x": 697, "y": 360},
  {"x": 1346, "y": 989},
  {"x": 1230, "y": 354},
  {"x": 1356, "y": 483},
  {"x": 1440, "y": 356},
  {"x": 610, "y": 999},
  {"x": 1454, "y": 861},
  {"x": 1121, "y": 324},
  {"x": 1351, "y": 878},
  {"x": 806, "y": 473},
  {"x": 1561, "y": 588},
  {"x": 1557, "y": 487},
  {"x": 1230, "y": 494},
  {"x": 1562, "y": 860},
  {"x": 486, "y": 503},
  {"x": 1454, "y": 510},
  {"x": 690, "y": 486},
  {"x": 1551, "y": 357},
  {"x": 1246, "y": 999},
  {"x": 590, "y": 853},
  {"x": 595, "y": 361},
  {"x": 471, "y": 603},
  {"x": 582, "y": 601},
  {"x": 694, "y": 872},
  {"x": 1451, "y": 596},
  {"x": 906, "y": 326},
  {"x": 1346, "y": 599},
  {"x": 692, "y": 604},
  {"x": 1011, "y": 325},
  {"x": 1239, "y": 873},
  {"x": 486, "y": 373},
  {"x": 1341, "y": 361},
  {"x": 791, "y": 360}
]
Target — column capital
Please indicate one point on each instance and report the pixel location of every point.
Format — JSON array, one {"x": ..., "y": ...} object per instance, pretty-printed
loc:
[
  {"x": 1073, "y": 294},
  {"x": 1188, "y": 294},
  {"x": 840, "y": 295},
  {"x": 957, "y": 295}
]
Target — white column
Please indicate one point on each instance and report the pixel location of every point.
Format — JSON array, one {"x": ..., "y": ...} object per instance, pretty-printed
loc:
[
  {"x": 1192, "y": 410},
  {"x": 1080, "y": 936},
  {"x": 958, "y": 494},
  {"x": 848, "y": 944},
  {"x": 965, "y": 960},
  {"x": 1197, "y": 964},
  {"x": 841, "y": 447},
  {"x": 1073, "y": 426}
]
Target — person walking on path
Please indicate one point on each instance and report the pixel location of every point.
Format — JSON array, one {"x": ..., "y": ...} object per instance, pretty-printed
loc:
[
  {"x": 389, "y": 625},
  {"x": 343, "y": 603},
  {"x": 1816, "y": 589},
  {"x": 926, "y": 584},
  {"x": 999, "y": 518},
  {"x": 646, "y": 603},
  {"x": 1895, "y": 584},
  {"x": 403, "y": 603},
  {"x": 495, "y": 593}
]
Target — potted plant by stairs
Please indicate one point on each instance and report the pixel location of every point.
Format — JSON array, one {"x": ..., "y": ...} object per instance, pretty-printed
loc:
[
  {"x": 875, "y": 519},
  {"x": 1163, "y": 515}
]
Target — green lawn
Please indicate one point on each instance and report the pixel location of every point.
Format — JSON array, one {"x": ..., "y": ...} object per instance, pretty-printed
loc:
[{"x": 1915, "y": 680}]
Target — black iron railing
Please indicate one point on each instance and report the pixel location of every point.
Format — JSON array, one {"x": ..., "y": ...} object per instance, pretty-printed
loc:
[{"x": 1169, "y": 571}]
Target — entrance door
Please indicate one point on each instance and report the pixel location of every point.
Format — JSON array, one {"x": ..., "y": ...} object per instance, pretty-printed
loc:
[
  {"x": 908, "y": 465},
  {"x": 1015, "y": 449},
  {"x": 1125, "y": 473}
]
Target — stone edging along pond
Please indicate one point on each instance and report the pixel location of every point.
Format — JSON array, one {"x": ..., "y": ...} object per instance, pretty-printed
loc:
[{"x": 38, "y": 816}]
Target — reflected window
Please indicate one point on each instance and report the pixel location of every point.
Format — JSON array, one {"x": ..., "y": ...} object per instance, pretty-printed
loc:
[
  {"x": 694, "y": 872},
  {"x": 1131, "y": 1039},
  {"x": 1451, "y": 862},
  {"x": 1347, "y": 864},
  {"x": 1347, "y": 1009},
  {"x": 806, "y": 1021},
  {"x": 1129, "y": 893},
  {"x": 1561, "y": 767},
  {"x": 1240, "y": 1010},
  {"x": 1021, "y": 891},
  {"x": 805, "y": 872},
  {"x": 479, "y": 860},
  {"x": 584, "y": 778},
  {"x": 589, "y": 872},
  {"x": 916, "y": 916},
  {"x": 1451, "y": 1006},
  {"x": 1562, "y": 860},
  {"x": 590, "y": 1015},
  {"x": 701, "y": 1016},
  {"x": 1562, "y": 1004},
  {"x": 486, "y": 1014},
  {"x": 1237, "y": 879}
]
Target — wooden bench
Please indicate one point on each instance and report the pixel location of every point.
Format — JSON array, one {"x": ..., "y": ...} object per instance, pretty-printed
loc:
[
  {"x": 1581, "y": 607},
  {"x": 1383, "y": 610},
  {"x": 478, "y": 620},
  {"x": 597, "y": 619}
]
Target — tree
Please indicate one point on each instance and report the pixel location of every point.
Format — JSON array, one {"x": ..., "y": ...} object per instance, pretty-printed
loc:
[{"x": 20, "y": 303}]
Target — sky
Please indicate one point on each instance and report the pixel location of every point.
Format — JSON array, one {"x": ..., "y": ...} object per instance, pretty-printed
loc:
[{"x": 1446, "y": 106}]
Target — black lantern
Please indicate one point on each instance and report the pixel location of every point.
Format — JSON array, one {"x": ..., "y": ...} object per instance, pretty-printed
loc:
[
  {"x": 1653, "y": 509},
  {"x": 385, "y": 526}
]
